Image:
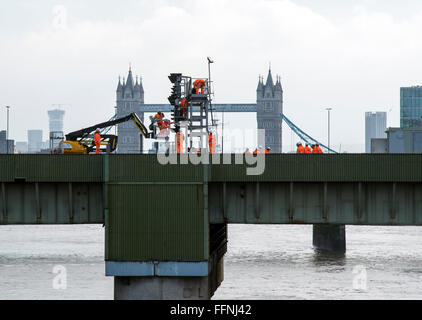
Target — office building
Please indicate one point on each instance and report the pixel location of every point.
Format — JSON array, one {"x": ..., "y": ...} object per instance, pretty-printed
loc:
[
  {"x": 404, "y": 140},
  {"x": 35, "y": 142},
  {"x": 379, "y": 145},
  {"x": 375, "y": 126},
  {"x": 410, "y": 106},
  {"x": 6, "y": 146},
  {"x": 55, "y": 121}
]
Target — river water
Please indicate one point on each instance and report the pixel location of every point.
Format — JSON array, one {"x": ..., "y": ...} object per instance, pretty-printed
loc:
[{"x": 262, "y": 262}]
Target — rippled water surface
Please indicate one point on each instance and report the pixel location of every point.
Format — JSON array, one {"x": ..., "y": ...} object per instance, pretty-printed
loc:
[{"x": 262, "y": 262}]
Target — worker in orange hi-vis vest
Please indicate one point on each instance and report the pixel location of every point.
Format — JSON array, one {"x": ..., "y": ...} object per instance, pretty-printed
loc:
[
  {"x": 159, "y": 116},
  {"x": 319, "y": 150},
  {"x": 300, "y": 148},
  {"x": 307, "y": 149},
  {"x": 267, "y": 150},
  {"x": 199, "y": 84},
  {"x": 179, "y": 142},
  {"x": 184, "y": 107},
  {"x": 97, "y": 141},
  {"x": 212, "y": 142},
  {"x": 164, "y": 126}
]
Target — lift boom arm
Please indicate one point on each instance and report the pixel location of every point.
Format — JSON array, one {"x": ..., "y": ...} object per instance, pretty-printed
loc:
[{"x": 73, "y": 136}]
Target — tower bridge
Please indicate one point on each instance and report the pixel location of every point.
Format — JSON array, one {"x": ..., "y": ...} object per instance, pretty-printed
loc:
[{"x": 268, "y": 107}]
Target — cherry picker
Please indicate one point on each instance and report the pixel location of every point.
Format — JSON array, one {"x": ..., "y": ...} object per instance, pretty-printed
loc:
[{"x": 81, "y": 142}]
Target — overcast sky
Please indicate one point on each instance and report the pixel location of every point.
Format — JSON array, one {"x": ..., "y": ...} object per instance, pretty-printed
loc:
[{"x": 352, "y": 56}]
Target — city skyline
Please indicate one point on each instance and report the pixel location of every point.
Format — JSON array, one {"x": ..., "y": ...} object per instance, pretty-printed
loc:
[{"x": 352, "y": 58}]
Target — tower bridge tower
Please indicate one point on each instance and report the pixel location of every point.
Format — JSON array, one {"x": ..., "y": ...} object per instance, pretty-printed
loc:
[
  {"x": 129, "y": 98},
  {"x": 269, "y": 99}
]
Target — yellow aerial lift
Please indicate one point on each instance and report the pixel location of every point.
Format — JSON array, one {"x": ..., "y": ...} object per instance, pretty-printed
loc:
[{"x": 81, "y": 142}]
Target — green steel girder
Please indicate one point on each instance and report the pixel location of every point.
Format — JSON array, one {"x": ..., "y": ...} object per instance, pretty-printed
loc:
[
  {"x": 354, "y": 203},
  {"x": 51, "y": 203},
  {"x": 345, "y": 188}
]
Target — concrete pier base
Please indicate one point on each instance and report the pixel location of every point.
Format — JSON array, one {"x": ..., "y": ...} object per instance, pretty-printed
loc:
[
  {"x": 161, "y": 288},
  {"x": 329, "y": 237},
  {"x": 169, "y": 288}
]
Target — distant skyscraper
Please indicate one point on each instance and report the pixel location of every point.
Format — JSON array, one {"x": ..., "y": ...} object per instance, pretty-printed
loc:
[
  {"x": 6, "y": 144},
  {"x": 35, "y": 143},
  {"x": 55, "y": 120},
  {"x": 410, "y": 106},
  {"x": 269, "y": 99},
  {"x": 375, "y": 127},
  {"x": 129, "y": 98}
]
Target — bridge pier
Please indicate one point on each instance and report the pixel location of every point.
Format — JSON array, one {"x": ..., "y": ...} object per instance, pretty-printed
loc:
[
  {"x": 172, "y": 280},
  {"x": 329, "y": 237},
  {"x": 161, "y": 288},
  {"x": 169, "y": 287}
]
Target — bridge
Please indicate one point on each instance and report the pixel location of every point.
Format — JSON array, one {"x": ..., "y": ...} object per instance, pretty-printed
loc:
[
  {"x": 227, "y": 107},
  {"x": 165, "y": 225}
]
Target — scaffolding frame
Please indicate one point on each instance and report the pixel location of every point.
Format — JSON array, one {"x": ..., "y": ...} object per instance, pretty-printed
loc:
[{"x": 199, "y": 117}]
